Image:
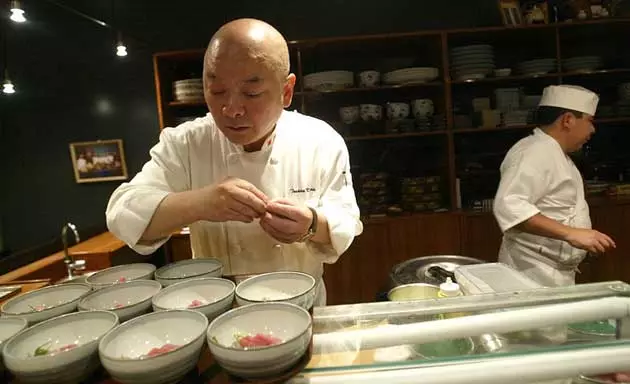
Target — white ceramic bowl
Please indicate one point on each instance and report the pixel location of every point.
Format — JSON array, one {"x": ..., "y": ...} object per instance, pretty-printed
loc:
[
  {"x": 288, "y": 322},
  {"x": 9, "y": 327},
  {"x": 188, "y": 269},
  {"x": 121, "y": 274},
  {"x": 83, "y": 329},
  {"x": 127, "y": 300},
  {"x": 291, "y": 287},
  {"x": 211, "y": 296},
  {"x": 123, "y": 350},
  {"x": 45, "y": 303}
]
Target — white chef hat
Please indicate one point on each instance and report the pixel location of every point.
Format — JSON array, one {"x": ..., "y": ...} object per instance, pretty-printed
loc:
[{"x": 570, "y": 97}]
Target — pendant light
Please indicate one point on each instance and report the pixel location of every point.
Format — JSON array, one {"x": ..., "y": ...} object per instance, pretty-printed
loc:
[{"x": 17, "y": 13}]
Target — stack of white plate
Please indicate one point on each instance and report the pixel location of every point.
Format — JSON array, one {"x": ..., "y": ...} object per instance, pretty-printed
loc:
[
  {"x": 329, "y": 80},
  {"x": 472, "y": 61},
  {"x": 515, "y": 118},
  {"x": 582, "y": 63},
  {"x": 414, "y": 75},
  {"x": 537, "y": 67},
  {"x": 188, "y": 90}
]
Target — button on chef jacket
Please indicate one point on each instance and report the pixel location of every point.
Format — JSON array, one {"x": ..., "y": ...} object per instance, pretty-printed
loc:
[
  {"x": 305, "y": 160},
  {"x": 538, "y": 177}
]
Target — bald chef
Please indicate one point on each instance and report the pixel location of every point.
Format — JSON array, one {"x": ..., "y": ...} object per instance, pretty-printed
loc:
[
  {"x": 261, "y": 188},
  {"x": 540, "y": 204}
]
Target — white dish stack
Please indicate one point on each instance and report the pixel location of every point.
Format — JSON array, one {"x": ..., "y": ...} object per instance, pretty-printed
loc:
[
  {"x": 329, "y": 80},
  {"x": 537, "y": 67},
  {"x": 472, "y": 62},
  {"x": 414, "y": 75},
  {"x": 582, "y": 63},
  {"x": 188, "y": 90}
]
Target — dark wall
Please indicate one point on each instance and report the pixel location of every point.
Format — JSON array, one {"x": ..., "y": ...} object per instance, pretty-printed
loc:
[{"x": 71, "y": 87}]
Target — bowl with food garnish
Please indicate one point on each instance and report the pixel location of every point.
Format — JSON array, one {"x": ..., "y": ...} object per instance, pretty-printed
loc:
[
  {"x": 9, "y": 327},
  {"x": 59, "y": 350},
  {"x": 121, "y": 274},
  {"x": 211, "y": 296},
  {"x": 127, "y": 300},
  {"x": 284, "y": 286},
  {"x": 159, "y": 347},
  {"x": 260, "y": 340},
  {"x": 45, "y": 303},
  {"x": 188, "y": 269}
]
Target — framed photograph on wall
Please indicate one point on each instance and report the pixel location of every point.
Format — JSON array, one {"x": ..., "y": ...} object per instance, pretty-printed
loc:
[{"x": 95, "y": 161}]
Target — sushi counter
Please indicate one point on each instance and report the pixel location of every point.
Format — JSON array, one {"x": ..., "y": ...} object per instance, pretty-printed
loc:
[{"x": 136, "y": 324}]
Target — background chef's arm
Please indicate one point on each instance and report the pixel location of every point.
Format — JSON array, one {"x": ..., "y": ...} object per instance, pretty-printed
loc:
[
  {"x": 543, "y": 226},
  {"x": 132, "y": 211},
  {"x": 339, "y": 218}
]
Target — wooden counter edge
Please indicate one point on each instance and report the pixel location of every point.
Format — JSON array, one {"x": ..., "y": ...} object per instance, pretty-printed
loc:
[{"x": 103, "y": 243}]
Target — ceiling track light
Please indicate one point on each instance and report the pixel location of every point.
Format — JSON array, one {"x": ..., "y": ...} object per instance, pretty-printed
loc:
[
  {"x": 7, "y": 86},
  {"x": 121, "y": 49},
  {"x": 17, "y": 13}
]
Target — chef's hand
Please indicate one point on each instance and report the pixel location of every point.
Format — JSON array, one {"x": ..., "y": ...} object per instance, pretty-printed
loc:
[
  {"x": 590, "y": 240},
  {"x": 286, "y": 221},
  {"x": 232, "y": 200}
]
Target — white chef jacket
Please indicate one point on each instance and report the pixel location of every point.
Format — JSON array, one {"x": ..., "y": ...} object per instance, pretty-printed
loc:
[
  {"x": 538, "y": 177},
  {"x": 305, "y": 160}
]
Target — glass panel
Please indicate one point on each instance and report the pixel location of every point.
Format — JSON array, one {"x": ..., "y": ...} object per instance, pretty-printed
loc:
[{"x": 335, "y": 350}]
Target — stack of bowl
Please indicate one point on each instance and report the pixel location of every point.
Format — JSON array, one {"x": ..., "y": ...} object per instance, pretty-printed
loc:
[{"x": 188, "y": 90}]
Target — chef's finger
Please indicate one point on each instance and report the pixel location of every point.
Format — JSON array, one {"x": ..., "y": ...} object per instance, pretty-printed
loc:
[
  {"x": 291, "y": 212},
  {"x": 246, "y": 197},
  {"x": 243, "y": 209},
  {"x": 281, "y": 237},
  {"x": 284, "y": 202},
  {"x": 281, "y": 224},
  {"x": 233, "y": 215},
  {"x": 605, "y": 241},
  {"x": 610, "y": 241},
  {"x": 251, "y": 188},
  {"x": 600, "y": 248}
]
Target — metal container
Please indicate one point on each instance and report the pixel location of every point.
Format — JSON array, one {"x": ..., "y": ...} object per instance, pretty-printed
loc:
[
  {"x": 416, "y": 270},
  {"x": 420, "y": 291}
]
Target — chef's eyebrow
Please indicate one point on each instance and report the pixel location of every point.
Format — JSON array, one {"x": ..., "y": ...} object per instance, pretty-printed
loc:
[{"x": 251, "y": 80}]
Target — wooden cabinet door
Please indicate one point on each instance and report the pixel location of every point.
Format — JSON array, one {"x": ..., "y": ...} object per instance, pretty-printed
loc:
[
  {"x": 613, "y": 220},
  {"x": 481, "y": 237},
  {"x": 362, "y": 271}
]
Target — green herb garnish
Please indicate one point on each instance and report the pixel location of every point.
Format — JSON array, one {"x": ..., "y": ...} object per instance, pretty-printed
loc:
[{"x": 43, "y": 349}]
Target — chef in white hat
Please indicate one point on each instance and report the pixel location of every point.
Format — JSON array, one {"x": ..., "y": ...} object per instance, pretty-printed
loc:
[{"x": 540, "y": 204}]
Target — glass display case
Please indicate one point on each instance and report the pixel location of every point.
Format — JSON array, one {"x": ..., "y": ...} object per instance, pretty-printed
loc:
[{"x": 549, "y": 335}]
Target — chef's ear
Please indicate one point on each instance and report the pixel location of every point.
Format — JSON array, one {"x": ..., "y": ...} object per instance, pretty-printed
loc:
[
  {"x": 567, "y": 119},
  {"x": 287, "y": 90}
]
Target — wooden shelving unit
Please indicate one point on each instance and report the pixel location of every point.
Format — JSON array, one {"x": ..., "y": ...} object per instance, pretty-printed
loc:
[{"x": 604, "y": 37}]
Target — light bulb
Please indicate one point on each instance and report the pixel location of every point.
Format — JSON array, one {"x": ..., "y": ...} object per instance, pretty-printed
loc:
[
  {"x": 121, "y": 50},
  {"x": 17, "y": 13},
  {"x": 8, "y": 87}
]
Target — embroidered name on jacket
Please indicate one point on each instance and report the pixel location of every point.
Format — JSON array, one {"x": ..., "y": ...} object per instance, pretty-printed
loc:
[{"x": 302, "y": 190}]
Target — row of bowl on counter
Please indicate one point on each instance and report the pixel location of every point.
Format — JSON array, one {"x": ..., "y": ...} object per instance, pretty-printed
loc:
[
  {"x": 422, "y": 109},
  {"x": 44, "y": 340}
]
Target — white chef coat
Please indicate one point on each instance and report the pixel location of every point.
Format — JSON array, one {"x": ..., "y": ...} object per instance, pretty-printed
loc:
[
  {"x": 305, "y": 160},
  {"x": 538, "y": 177}
]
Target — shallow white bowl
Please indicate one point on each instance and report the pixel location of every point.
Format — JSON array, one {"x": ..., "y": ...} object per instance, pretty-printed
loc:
[
  {"x": 9, "y": 327},
  {"x": 121, "y": 274},
  {"x": 70, "y": 366},
  {"x": 188, "y": 269},
  {"x": 45, "y": 303},
  {"x": 122, "y": 350},
  {"x": 290, "y": 287},
  {"x": 289, "y": 322},
  {"x": 127, "y": 300},
  {"x": 215, "y": 294}
]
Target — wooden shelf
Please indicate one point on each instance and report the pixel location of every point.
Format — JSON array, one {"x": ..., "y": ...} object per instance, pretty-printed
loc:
[
  {"x": 613, "y": 71},
  {"x": 507, "y": 78},
  {"x": 395, "y": 135},
  {"x": 199, "y": 103},
  {"x": 604, "y": 120},
  {"x": 370, "y": 89}
]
